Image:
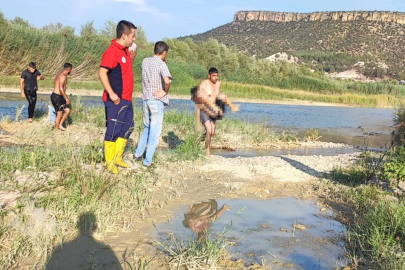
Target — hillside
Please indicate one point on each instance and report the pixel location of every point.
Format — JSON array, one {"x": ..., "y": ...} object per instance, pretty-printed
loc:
[{"x": 330, "y": 41}]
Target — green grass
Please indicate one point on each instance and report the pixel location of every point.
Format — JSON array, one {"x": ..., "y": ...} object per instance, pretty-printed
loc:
[
  {"x": 58, "y": 183},
  {"x": 378, "y": 229}
]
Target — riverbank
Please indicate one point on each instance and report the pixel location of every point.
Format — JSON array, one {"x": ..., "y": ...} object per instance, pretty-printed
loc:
[
  {"x": 242, "y": 93},
  {"x": 55, "y": 183},
  {"x": 95, "y": 93}
]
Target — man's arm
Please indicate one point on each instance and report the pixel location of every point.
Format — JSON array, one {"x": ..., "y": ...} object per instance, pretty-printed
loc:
[
  {"x": 163, "y": 92},
  {"x": 40, "y": 76},
  {"x": 22, "y": 87},
  {"x": 102, "y": 74}
]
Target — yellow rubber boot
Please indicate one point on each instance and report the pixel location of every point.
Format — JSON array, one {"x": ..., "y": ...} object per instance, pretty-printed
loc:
[
  {"x": 109, "y": 152},
  {"x": 120, "y": 145}
]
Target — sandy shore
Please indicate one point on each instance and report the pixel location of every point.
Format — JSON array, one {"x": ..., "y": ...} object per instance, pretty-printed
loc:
[{"x": 86, "y": 92}]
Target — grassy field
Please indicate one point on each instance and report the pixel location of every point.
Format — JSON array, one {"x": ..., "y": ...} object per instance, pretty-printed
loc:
[{"x": 57, "y": 178}]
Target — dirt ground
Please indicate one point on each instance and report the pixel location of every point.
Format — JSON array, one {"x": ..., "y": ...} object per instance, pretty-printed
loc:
[
  {"x": 183, "y": 183},
  {"x": 192, "y": 182}
]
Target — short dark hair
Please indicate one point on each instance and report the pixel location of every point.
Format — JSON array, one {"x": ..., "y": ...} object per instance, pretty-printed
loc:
[
  {"x": 212, "y": 70},
  {"x": 32, "y": 64},
  {"x": 67, "y": 65},
  {"x": 124, "y": 27},
  {"x": 161, "y": 47}
]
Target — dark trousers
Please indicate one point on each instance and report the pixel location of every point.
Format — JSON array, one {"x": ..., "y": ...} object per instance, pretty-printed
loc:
[
  {"x": 32, "y": 100},
  {"x": 120, "y": 120}
]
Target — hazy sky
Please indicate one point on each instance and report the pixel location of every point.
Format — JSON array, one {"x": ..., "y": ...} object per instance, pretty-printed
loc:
[{"x": 170, "y": 18}]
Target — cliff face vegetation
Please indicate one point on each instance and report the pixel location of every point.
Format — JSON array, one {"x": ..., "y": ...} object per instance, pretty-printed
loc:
[
  {"x": 343, "y": 16},
  {"x": 320, "y": 39}
]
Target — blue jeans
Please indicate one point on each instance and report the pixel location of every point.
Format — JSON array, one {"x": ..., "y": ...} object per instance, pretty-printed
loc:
[{"x": 152, "y": 121}]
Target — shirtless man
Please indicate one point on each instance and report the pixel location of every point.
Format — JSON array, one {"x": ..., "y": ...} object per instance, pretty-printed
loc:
[
  {"x": 59, "y": 99},
  {"x": 208, "y": 93}
]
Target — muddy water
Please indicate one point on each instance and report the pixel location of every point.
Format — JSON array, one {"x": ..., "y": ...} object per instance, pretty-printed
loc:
[
  {"x": 303, "y": 151},
  {"x": 354, "y": 126},
  {"x": 263, "y": 232}
]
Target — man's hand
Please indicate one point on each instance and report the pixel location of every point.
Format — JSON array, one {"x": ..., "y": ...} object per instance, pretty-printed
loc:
[
  {"x": 22, "y": 93},
  {"x": 115, "y": 98},
  {"x": 67, "y": 100},
  {"x": 40, "y": 77},
  {"x": 159, "y": 94}
]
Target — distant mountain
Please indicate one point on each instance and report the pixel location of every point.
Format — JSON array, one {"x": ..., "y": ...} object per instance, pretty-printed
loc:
[{"x": 331, "y": 41}]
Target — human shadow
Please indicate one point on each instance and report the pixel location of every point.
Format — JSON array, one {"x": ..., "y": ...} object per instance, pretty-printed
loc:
[
  {"x": 172, "y": 140},
  {"x": 83, "y": 252},
  {"x": 200, "y": 216},
  {"x": 304, "y": 168}
]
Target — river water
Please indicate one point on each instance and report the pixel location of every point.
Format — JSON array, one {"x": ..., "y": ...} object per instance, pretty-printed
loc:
[{"x": 354, "y": 126}]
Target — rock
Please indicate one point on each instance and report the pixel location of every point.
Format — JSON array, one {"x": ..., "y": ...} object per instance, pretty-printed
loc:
[
  {"x": 277, "y": 263},
  {"x": 323, "y": 209},
  {"x": 284, "y": 230},
  {"x": 299, "y": 227},
  {"x": 9, "y": 198},
  {"x": 344, "y": 16}
]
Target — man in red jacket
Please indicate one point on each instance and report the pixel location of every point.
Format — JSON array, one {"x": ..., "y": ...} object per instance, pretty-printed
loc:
[{"x": 117, "y": 77}]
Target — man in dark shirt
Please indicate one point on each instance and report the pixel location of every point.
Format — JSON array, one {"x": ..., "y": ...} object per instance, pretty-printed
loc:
[{"x": 29, "y": 87}]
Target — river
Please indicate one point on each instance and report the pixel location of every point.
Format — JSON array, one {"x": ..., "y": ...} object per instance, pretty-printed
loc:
[{"x": 351, "y": 125}]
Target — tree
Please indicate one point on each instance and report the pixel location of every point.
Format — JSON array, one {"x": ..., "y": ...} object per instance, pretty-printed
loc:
[
  {"x": 110, "y": 29},
  {"x": 88, "y": 32},
  {"x": 141, "y": 38},
  {"x": 20, "y": 22}
]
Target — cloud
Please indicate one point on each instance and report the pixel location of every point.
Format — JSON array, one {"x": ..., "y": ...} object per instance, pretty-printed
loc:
[{"x": 143, "y": 7}]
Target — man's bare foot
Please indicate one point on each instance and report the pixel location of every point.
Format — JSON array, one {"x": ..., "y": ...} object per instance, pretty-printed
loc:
[
  {"x": 208, "y": 152},
  {"x": 30, "y": 120},
  {"x": 61, "y": 128}
]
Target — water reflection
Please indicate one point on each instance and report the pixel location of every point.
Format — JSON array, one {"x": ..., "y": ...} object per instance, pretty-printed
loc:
[
  {"x": 280, "y": 232},
  {"x": 200, "y": 216}
]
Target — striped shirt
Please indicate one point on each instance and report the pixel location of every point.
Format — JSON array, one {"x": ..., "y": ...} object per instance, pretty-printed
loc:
[{"x": 154, "y": 70}]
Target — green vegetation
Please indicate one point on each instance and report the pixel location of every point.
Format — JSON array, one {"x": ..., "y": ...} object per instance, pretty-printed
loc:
[
  {"x": 326, "y": 45},
  {"x": 195, "y": 253},
  {"x": 377, "y": 230},
  {"x": 377, "y": 227},
  {"x": 56, "y": 181},
  {"x": 188, "y": 62}
]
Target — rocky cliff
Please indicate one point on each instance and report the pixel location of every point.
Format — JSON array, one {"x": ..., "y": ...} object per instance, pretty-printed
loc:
[{"x": 344, "y": 16}]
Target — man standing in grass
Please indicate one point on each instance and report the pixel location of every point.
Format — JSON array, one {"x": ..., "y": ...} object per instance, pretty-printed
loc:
[
  {"x": 59, "y": 98},
  {"x": 156, "y": 80},
  {"x": 210, "y": 104},
  {"x": 29, "y": 87},
  {"x": 118, "y": 80}
]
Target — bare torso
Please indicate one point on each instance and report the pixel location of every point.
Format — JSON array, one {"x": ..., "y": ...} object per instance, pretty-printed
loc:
[
  {"x": 210, "y": 90},
  {"x": 60, "y": 82}
]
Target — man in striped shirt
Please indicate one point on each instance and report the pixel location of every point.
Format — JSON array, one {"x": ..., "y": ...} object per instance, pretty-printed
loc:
[{"x": 156, "y": 80}]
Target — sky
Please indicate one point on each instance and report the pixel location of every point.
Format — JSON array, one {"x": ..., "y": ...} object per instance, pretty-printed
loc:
[{"x": 170, "y": 18}]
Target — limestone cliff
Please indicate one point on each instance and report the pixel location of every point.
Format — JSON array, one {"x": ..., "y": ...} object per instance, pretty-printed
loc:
[{"x": 344, "y": 16}]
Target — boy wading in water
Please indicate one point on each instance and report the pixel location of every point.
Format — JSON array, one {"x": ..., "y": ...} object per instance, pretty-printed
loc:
[
  {"x": 210, "y": 105},
  {"x": 29, "y": 87},
  {"x": 59, "y": 99}
]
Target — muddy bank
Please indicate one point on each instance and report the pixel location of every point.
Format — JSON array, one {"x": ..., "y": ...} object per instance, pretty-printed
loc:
[{"x": 89, "y": 92}]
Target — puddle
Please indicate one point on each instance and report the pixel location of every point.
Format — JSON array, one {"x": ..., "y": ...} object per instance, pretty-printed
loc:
[
  {"x": 302, "y": 151},
  {"x": 264, "y": 232}
]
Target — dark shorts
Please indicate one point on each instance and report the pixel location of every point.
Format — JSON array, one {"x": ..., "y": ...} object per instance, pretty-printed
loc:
[
  {"x": 204, "y": 117},
  {"x": 58, "y": 102}
]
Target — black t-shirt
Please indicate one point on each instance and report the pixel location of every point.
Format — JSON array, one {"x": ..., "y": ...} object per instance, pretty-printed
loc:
[{"x": 30, "y": 80}]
